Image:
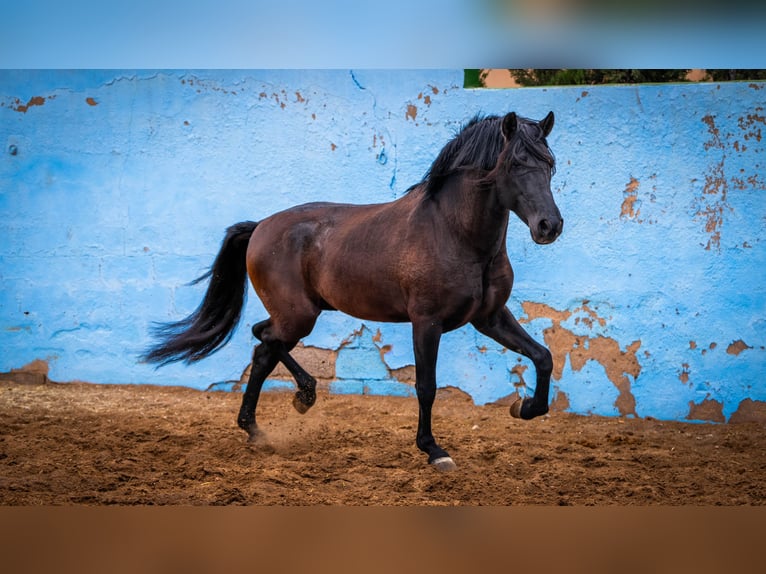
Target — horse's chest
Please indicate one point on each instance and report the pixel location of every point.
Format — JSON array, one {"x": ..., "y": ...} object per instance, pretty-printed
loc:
[{"x": 458, "y": 296}]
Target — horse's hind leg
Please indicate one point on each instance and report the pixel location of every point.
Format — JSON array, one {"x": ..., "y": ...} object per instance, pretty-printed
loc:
[
  {"x": 305, "y": 397},
  {"x": 265, "y": 358}
]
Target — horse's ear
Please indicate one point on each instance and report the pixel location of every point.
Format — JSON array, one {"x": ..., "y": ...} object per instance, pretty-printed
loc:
[
  {"x": 509, "y": 125},
  {"x": 547, "y": 124}
]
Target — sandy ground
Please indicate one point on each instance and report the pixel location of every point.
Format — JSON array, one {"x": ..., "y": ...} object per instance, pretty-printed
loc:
[{"x": 83, "y": 444}]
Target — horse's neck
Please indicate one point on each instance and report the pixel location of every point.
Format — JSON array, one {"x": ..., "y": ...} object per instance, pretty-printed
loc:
[{"x": 474, "y": 213}]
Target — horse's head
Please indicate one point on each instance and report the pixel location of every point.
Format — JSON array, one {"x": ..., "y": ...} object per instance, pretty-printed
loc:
[{"x": 523, "y": 176}]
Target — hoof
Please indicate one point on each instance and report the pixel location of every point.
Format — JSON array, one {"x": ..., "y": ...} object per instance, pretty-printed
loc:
[
  {"x": 525, "y": 409},
  {"x": 444, "y": 464},
  {"x": 299, "y": 405}
]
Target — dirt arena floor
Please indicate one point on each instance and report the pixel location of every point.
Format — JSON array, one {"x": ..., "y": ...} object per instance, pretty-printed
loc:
[{"x": 82, "y": 444}]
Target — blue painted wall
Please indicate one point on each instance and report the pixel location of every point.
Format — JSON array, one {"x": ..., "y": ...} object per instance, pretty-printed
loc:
[{"x": 116, "y": 187}]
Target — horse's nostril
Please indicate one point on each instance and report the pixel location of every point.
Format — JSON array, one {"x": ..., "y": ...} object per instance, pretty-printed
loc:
[{"x": 544, "y": 226}]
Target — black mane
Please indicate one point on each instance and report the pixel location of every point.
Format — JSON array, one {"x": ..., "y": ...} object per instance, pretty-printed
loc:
[{"x": 478, "y": 145}]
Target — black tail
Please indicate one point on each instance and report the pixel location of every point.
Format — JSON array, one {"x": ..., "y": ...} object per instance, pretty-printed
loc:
[{"x": 211, "y": 326}]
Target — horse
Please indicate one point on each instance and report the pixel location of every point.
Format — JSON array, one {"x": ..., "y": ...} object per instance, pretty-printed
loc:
[{"x": 435, "y": 257}]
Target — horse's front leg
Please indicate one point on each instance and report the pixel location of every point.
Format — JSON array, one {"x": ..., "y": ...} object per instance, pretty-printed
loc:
[
  {"x": 426, "y": 336},
  {"x": 505, "y": 329}
]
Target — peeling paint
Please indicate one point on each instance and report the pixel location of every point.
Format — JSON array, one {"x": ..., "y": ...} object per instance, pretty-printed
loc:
[
  {"x": 736, "y": 347},
  {"x": 749, "y": 411},
  {"x": 201, "y": 85},
  {"x": 519, "y": 371},
  {"x": 714, "y": 203},
  {"x": 319, "y": 363},
  {"x": 34, "y": 101},
  {"x": 629, "y": 209},
  {"x": 35, "y": 373},
  {"x": 426, "y": 99},
  {"x": 618, "y": 365},
  {"x": 708, "y": 410},
  {"x": 560, "y": 402},
  {"x": 749, "y": 125},
  {"x": 412, "y": 112},
  {"x": 404, "y": 374}
]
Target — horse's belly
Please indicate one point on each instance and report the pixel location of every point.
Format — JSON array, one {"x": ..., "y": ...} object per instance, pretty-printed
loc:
[{"x": 364, "y": 299}]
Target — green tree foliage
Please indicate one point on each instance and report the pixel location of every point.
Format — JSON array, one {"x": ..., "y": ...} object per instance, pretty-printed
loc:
[
  {"x": 736, "y": 75},
  {"x": 569, "y": 77},
  {"x": 473, "y": 78}
]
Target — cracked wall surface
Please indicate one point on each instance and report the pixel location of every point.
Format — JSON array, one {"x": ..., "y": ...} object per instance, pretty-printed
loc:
[{"x": 116, "y": 188}]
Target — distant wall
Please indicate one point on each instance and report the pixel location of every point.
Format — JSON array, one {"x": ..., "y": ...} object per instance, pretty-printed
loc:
[{"x": 116, "y": 188}]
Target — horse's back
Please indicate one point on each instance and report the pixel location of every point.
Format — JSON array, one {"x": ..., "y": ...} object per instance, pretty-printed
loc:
[{"x": 336, "y": 255}]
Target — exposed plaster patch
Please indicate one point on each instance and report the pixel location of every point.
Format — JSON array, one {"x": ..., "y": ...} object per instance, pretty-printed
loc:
[
  {"x": 750, "y": 125},
  {"x": 91, "y": 101},
  {"x": 355, "y": 334},
  {"x": 412, "y": 110},
  {"x": 34, "y": 373},
  {"x": 319, "y": 363},
  {"x": 404, "y": 374},
  {"x": 619, "y": 365},
  {"x": 684, "y": 374},
  {"x": 708, "y": 410},
  {"x": 281, "y": 97},
  {"x": 200, "y": 85},
  {"x": 749, "y": 411},
  {"x": 519, "y": 371},
  {"x": 736, "y": 347},
  {"x": 629, "y": 209},
  {"x": 631, "y": 203},
  {"x": 18, "y": 106},
  {"x": 560, "y": 402},
  {"x": 713, "y": 204}
]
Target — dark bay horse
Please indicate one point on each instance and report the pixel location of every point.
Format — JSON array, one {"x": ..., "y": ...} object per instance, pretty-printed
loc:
[{"x": 436, "y": 257}]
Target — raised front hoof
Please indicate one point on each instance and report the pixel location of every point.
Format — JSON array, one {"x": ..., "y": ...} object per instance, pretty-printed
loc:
[
  {"x": 444, "y": 464},
  {"x": 526, "y": 409},
  {"x": 303, "y": 402}
]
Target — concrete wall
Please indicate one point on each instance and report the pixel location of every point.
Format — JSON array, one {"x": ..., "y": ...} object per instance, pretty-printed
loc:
[{"x": 116, "y": 188}]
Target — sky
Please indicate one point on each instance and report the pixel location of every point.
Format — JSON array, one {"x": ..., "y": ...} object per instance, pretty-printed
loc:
[{"x": 380, "y": 34}]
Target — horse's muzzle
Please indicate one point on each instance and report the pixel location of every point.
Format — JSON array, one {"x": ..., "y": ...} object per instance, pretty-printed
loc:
[{"x": 547, "y": 230}]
